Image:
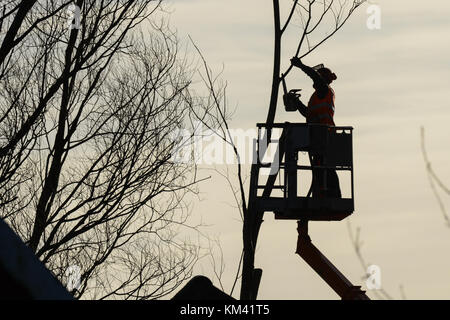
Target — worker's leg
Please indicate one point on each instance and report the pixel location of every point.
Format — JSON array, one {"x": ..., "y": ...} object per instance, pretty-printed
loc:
[
  {"x": 318, "y": 182},
  {"x": 334, "y": 190}
]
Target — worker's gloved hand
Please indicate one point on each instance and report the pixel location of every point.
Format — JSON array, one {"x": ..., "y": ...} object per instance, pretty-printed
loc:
[{"x": 295, "y": 61}]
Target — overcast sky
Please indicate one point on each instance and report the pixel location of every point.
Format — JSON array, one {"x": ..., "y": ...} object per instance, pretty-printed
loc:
[{"x": 390, "y": 82}]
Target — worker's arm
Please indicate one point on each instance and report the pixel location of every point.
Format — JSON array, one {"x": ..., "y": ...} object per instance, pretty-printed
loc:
[
  {"x": 304, "y": 111},
  {"x": 319, "y": 82}
]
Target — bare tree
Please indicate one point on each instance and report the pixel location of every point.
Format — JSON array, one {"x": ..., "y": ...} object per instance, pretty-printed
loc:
[
  {"x": 436, "y": 183},
  {"x": 357, "y": 243},
  {"x": 87, "y": 122},
  {"x": 316, "y": 17},
  {"x": 321, "y": 20}
]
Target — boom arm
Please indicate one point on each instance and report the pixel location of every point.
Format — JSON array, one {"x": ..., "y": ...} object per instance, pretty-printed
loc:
[{"x": 326, "y": 270}]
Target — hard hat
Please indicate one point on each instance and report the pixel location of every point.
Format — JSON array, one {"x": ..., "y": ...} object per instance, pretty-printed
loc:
[{"x": 327, "y": 74}]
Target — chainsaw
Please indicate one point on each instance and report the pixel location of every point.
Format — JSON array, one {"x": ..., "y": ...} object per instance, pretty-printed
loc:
[{"x": 289, "y": 96}]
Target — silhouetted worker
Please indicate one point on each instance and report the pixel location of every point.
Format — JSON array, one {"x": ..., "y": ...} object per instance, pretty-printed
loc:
[{"x": 320, "y": 110}]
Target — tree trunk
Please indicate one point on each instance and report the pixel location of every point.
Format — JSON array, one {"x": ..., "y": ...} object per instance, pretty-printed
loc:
[{"x": 253, "y": 219}]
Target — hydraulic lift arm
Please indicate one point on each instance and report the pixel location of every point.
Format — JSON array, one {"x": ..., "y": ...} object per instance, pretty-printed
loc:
[{"x": 326, "y": 270}]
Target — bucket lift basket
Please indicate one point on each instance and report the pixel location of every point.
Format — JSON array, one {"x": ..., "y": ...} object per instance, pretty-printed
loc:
[{"x": 332, "y": 144}]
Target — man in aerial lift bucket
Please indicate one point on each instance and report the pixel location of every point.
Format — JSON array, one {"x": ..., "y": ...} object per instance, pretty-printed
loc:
[{"x": 320, "y": 110}]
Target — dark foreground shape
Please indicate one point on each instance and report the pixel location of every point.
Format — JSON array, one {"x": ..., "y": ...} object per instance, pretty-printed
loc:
[
  {"x": 201, "y": 288},
  {"x": 22, "y": 275}
]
